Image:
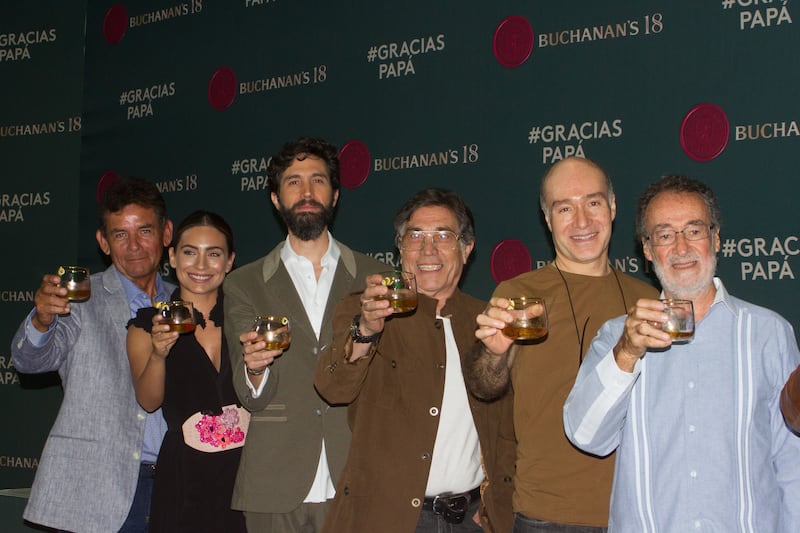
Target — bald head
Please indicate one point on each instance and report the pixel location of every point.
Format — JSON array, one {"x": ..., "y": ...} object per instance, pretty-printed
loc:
[{"x": 570, "y": 168}]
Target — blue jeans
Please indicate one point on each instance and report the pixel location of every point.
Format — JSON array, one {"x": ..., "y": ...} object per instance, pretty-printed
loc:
[
  {"x": 139, "y": 515},
  {"x": 523, "y": 524}
]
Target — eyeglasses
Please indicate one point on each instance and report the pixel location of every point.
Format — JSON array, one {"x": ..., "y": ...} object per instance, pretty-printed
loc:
[
  {"x": 692, "y": 232},
  {"x": 415, "y": 240}
]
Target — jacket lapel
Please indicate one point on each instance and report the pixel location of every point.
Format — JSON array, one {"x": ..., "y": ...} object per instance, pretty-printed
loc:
[
  {"x": 342, "y": 284},
  {"x": 116, "y": 303},
  {"x": 281, "y": 289}
]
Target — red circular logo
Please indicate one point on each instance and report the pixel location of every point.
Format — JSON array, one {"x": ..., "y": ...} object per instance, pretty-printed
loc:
[
  {"x": 354, "y": 164},
  {"x": 222, "y": 88},
  {"x": 513, "y": 41},
  {"x": 106, "y": 179},
  {"x": 115, "y": 23},
  {"x": 704, "y": 132},
  {"x": 509, "y": 258}
]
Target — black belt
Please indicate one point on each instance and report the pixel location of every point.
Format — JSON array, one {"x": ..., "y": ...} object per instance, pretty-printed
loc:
[
  {"x": 452, "y": 508},
  {"x": 431, "y": 503},
  {"x": 147, "y": 469}
]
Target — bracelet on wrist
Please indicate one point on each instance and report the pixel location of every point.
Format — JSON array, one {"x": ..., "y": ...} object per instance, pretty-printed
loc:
[{"x": 251, "y": 372}]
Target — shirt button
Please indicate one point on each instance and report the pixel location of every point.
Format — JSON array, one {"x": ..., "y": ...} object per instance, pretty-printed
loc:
[
  {"x": 693, "y": 473},
  {"x": 141, "y": 416},
  {"x": 691, "y": 384},
  {"x": 136, "y": 455},
  {"x": 434, "y": 411},
  {"x": 425, "y": 456},
  {"x": 691, "y": 428},
  {"x": 319, "y": 413},
  {"x": 415, "y": 502},
  {"x": 697, "y": 524}
]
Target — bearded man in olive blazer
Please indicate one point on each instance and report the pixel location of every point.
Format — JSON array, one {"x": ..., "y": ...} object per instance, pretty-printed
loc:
[{"x": 297, "y": 443}]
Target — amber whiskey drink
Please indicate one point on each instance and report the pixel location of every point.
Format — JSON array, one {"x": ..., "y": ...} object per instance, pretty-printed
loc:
[
  {"x": 78, "y": 295},
  {"x": 182, "y": 327},
  {"x": 77, "y": 282},
  {"x": 401, "y": 300},
  {"x": 523, "y": 332}
]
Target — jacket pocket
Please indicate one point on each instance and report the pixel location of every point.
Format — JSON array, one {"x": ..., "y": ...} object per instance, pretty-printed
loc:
[{"x": 274, "y": 412}]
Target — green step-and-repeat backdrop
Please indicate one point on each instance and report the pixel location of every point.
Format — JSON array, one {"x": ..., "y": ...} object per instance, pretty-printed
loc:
[{"x": 479, "y": 97}]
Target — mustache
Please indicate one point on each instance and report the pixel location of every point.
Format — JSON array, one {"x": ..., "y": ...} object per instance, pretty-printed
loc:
[
  {"x": 307, "y": 202},
  {"x": 674, "y": 258}
]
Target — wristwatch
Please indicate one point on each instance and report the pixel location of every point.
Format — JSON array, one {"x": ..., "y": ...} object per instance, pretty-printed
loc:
[{"x": 358, "y": 337}]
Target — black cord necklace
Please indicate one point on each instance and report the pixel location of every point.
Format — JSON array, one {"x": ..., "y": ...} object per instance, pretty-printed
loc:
[{"x": 580, "y": 333}]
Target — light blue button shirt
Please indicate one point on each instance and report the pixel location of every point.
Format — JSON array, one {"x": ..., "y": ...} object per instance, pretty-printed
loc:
[{"x": 701, "y": 444}]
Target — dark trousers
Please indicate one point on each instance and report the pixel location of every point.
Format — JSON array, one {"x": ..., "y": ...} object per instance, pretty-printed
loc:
[
  {"x": 524, "y": 524},
  {"x": 139, "y": 515}
]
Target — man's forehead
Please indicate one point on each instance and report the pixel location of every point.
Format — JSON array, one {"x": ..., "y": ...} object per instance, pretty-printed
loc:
[
  {"x": 670, "y": 206},
  {"x": 132, "y": 211},
  {"x": 578, "y": 197},
  {"x": 302, "y": 161},
  {"x": 295, "y": 170},
  {"x": 440, "y": 216},
  {"x": 575, "y": 180},
  {"x": 123, "y": 225}
]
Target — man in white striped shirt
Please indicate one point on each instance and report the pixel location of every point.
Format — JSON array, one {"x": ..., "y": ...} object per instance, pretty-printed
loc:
[{"x": 701, "y": 442}]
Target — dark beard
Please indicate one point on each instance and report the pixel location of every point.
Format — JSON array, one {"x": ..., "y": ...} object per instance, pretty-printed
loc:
[{"x": 307, "y": 226}]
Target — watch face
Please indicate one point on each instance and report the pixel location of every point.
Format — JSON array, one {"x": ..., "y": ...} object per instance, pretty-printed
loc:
[{"x": 354, "y": 333}]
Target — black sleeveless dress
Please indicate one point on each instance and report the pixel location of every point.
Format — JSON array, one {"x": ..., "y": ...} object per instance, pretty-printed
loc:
[{"x": 192, "y": 488}]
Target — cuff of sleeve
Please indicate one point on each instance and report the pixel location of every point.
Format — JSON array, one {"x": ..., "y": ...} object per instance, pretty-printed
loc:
[
  {"x": 255, "y": 392},
  {"x": 36, "y": 337},
  {"x": 614, "y": 379},
  {"x": 348, "y": 351}
]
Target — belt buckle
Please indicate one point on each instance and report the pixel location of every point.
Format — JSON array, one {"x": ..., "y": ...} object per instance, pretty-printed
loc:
[{"x": 452, "y": 507}]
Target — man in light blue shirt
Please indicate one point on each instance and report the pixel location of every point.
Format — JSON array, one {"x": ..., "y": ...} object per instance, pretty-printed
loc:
[
  {"x": 97, "y": 466},
  {"x": 701, "y": 443}
]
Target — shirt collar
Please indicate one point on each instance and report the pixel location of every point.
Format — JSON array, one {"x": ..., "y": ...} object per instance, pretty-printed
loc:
[
  {"x": 137, "y": 298},
  {"x": 722, "y": 296},
  {"x": 329, "y": 259}
]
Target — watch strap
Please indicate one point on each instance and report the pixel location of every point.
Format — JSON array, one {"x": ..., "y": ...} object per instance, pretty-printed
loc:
[{"x": 356, "y": 335}]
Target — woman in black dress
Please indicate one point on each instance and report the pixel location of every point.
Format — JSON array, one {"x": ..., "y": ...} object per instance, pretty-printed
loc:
[{"x": 188, "y": 375}]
